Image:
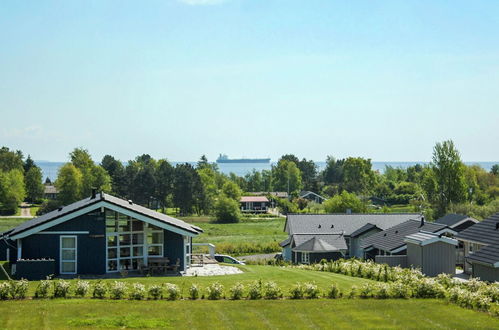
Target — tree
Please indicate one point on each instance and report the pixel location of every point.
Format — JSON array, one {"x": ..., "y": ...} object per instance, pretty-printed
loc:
[
  {"x": 28, "y": 164},
  {"x": 12, "y": 191},
  {"x": 357, "y": 175},
  {"x": 11, "y": 160},
  {"x": 33, "y": 183},
  {"x": 116, "y": 171},
  {"x": 164, "y": 182},
  {"x": 227, "y": 210},
  {"x": 343, "y": 202},
  {"x": 82, "y": 160},
  {"x": 287, "y": 177},
  {"x": 495, "y": 169},
  {"x": 232, "y": 191},
  {"x": 184, "y": 186},
  {"x": 69, "y": 184},
  {"x": 308, "y": 171},
  {"x": 333, "y": 173},
  {"x": 449, "y": 175}
]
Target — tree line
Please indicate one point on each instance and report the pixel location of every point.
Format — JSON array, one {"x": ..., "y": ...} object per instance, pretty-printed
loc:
[{"x": 444, "y": 185}]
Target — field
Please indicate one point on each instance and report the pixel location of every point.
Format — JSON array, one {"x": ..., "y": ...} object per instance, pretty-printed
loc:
[
  {"x": 8, "y": 223},
  {"x": 310, "y": 314}
]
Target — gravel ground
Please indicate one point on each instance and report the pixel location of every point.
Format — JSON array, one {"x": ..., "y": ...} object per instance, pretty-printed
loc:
[{"x": 212, "y": 270}]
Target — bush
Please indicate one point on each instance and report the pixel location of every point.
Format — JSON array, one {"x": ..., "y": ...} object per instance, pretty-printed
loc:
[
  {"x": 118, "y": 290},
  {"x": 81, "y": 288},
  {"x": 271, "y": 291},
  {"x": 172, "y": 291},
  {"x": 333, "y": 292},
  {"x": 255, "y": 290},
  {"x": 227, "y": 210},
  {"x": 297, "y": 291},
  {"x": 138, "y": 291},
  {"x": 311, "y": 290},
  {"x": 367, "y": 290},
  {"x": 155, "y": 292},
  {"x": 194, "y": 292},
  {"x": 42, "y": 290},
  {"x": 354, "y": 290},
  {"x": 99, "y": 290},
  {"x": 382, "y": 291},
  {"x": 427, "y": 288},
  {"x": 215, "y": 291},
  {"x": 61, "y": 289},
  {"x": 236, "y": 291},
  {"x": 18, "y": 289},
  {"x": 400, "y": 290},
  {"x": 4, "y": 290}
]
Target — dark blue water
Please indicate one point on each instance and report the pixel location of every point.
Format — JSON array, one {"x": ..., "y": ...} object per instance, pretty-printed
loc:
[{"x": 50, "y": 169}]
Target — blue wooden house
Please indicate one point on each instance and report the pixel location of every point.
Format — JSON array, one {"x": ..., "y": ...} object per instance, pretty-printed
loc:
[{"x": 98, "y": 235}]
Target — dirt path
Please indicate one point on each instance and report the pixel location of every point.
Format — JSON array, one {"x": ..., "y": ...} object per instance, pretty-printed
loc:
[{"x": 25, "y": 210}]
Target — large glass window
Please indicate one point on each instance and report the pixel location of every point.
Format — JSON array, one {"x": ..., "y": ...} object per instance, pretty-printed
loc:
[
  {"x": 128, "y": 239},
  {"x": 68, "y": 255}
]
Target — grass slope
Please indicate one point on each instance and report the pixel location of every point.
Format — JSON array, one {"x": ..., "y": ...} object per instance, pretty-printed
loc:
[
  {"x": 309, "y": 314},
  {"x": 9, "y": 223}
]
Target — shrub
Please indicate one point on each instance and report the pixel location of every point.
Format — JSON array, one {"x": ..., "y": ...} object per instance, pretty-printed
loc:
[
  {"x": 311, "y": 290},
  {"x": 271, "y": 290},
  {"x": 227, "y": 210},
  {"x": 61, "y": 288},
  {"x": 42, "y": 290},
  {"x": 118, "y": 290},
  {"x": 333, "y": 292},
  {"x": 297, "y": 291},
  {"x": 215, "y": 291},
  {"x": 172, "y": 291},
  {"x": 236, "y": 291},
  {"x": 99, "y": 290},
  {"x": 255, "y": 290},
  {"x": 367, "y": 290},
  {"x": 194, "y": 292},
  {"x": 427, "y": 288},
  {"x": 18, "y": 289},
  {"x": 137, "y": 291},
  {"x": 4, "y": 290},
  {"x": 81, "y": 288},
  {"x": 382, "y": 291},
  {"x": 155, "y": 292},
  {"x": 353, "y": 292},
  {"x": 400, "y": 290}
]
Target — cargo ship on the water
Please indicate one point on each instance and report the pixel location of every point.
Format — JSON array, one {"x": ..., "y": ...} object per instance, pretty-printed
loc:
[{"x": 225, "y": 159}]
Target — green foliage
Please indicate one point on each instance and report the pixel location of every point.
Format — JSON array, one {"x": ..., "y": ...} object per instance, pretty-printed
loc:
[
  {"x": 172, "y": 291},
  {"x": 344, "y": 201},
  {"x": 285, "y": 206},
  {"x": 12, "y": 191},
  {"x": 255, "y": 290},
  {"x": 215, "y": 291},
  {"x": 286, "y": 176},
  {"x": 297, "y": 291},
  {"x": 42, "y": 290},
  {"x": 231, "y": 190},
  {"x": 194, "y": 291},
  {"x": 69, "y": 184},
  {"x": 11, "y": 160},
  {"x": 117, "y": 290},
  {"x": 99, "y": 290},
  {"x": 226, "y": 210},
  {"x": 33, "y": 184},
  {"x": 271, "y": 290},
  {"x": 188, "y": 192},
  {"x": 137, "y": 291},
  {"x": 236, "y": 291},
  {"x": 81, "y": 288},
  {"x": 358, "y": 176},
  {"x": 61, "y": 288}
]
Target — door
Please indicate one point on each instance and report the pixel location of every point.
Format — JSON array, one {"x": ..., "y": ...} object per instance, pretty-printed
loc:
[{"x": 68, "y": 255}]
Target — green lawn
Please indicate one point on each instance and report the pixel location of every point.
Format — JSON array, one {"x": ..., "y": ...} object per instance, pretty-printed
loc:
[
  {"x": 285, "y": 277},
  {"x": 8, "y": 223},
  {"x": 283, "y": 314}
]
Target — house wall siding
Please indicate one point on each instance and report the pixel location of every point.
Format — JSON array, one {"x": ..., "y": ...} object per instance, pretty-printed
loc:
[
  {"x": 355, "y": 250},
  {"x": 317, "y": 257},
  {"x": 286, "y": 253},
  {"x": 91, "y": 253},
  {"x": 433, "y": 259},
  {"x": 174, "y": 247},
  {"x": 486, "y": 273}
]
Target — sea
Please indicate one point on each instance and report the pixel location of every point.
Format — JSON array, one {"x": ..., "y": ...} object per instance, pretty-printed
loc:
[{"x": 50, "y": 169}]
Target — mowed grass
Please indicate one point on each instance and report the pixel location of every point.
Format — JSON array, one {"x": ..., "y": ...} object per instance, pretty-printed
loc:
[
  {"x": 285, "y": 277},
  {"x": 281, "y": 314},
  {"x": 9, "y": 223}
]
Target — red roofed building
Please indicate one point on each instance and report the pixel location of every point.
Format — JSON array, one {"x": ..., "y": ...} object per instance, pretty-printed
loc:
[{"x": 254, "y": 204}]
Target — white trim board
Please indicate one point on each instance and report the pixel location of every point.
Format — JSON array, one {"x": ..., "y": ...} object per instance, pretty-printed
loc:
[{"x": 98, "y": 205}]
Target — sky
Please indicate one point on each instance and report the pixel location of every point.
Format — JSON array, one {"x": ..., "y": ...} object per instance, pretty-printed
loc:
[{"x": 176, "y": 79}]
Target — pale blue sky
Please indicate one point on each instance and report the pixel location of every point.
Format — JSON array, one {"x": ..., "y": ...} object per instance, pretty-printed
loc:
[{"x": 177, "y": 79}]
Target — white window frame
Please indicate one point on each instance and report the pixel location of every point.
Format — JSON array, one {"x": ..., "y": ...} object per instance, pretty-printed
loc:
[
  {"x": 305, "y": 257},
  {"x": 60, "y": 254}
]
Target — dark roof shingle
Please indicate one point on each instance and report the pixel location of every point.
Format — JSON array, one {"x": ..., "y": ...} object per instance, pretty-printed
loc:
[{"x": 484, "y": 232}]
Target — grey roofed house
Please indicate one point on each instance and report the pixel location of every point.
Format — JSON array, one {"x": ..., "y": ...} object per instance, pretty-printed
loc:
[
  {"x": 315, "y": 245},
  {"x": 458, "y": 222},
  {"x": 481, "y": 248},
  {"x": 391, "y": 241},
  {"x": 311, "y": 196},
  {"x": 341, "y": 225}
]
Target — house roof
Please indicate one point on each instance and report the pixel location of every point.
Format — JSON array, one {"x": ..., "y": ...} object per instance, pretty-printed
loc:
[
  {"x": 253, "y": 199},
  {"x": 487, "y": 255},
  {"x": 346, "y": 223},
  {"x": 334, "y": 239},
  {"x": 424, "y": 238},
  {"x": 279, "y": 194},
  {"x": 315, "y": 244},
  {"x": 484, "y": 232},
  {"x": 365, "y": 228},
  {"x": 453, "y": 220},
  {"x": 393, "y": 238},
  {"x": 304, "y": 194},
  {"x": 66, "y": 210},
  {"x": 285, "y": 242}
]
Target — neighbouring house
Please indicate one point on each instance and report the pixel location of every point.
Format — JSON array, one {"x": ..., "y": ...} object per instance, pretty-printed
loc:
[
  {"x": 311, "y": 196},
  {"x": 277, "y": 194},
  {"x": 254, "y": 204},
  {"x": 312, "y": 237},
  {"x": 457, "y": 222},
  {"x": 481, "y": 249},
  {"x": 432, "y": 253},
  {"x": 392, "y": 240},
  {"x": 98, "y": 235},
  {"x": 50, "y": 192}
]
